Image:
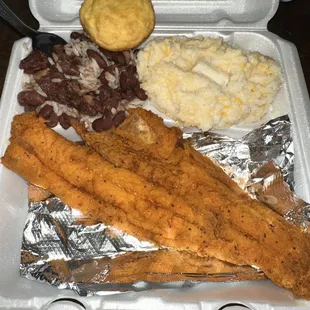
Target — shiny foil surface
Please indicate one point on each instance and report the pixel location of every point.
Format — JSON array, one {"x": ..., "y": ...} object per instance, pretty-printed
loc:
[{"x": 57, "y": 251}]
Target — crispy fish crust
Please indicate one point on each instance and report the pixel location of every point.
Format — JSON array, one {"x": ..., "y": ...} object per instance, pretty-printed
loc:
[
  {"x": 160, "y": 265},
  {"x": 146, "y": 207},
  {"x": 222, "y": 223},
  {"x": 36, "y": 193},
  {"x": 20, "y": 159},
  {"x": 182, "y": 172},
  {"x": 154, "y": 266}
]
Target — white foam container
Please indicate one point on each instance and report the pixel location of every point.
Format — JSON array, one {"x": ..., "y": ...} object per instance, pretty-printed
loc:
[{"x": 243, "y": 22}]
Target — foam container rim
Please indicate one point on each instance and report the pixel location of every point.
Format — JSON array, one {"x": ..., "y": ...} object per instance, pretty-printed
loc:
[{"x": 19, "y": 293}]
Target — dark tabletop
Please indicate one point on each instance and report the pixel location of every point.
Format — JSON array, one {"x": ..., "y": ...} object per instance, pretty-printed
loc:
[{"x": 292, "y": 22}]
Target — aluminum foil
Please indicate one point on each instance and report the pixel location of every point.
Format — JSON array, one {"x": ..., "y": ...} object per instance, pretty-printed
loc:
[
  {"x": 241, "y": 158},
  {"x": 262, "y": 163},
  {"x": 56, "y": 251}
]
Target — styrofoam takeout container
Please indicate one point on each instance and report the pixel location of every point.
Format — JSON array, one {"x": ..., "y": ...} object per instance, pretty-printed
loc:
[{"x": 243, "y": 22}]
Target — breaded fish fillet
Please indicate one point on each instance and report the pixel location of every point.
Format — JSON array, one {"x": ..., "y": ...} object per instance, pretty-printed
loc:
[
  {"x": 243, "y": 232},
  {"x": 140, "y": 121},
  {"x": 154, "y": 266},
  {"x": 146, "y": 206},
  {"x": 179, "y": 174},
  {"x": 139, "y": 266},
  {"x": 183, "y": 179},
  {"x": 20, "y": 159}
]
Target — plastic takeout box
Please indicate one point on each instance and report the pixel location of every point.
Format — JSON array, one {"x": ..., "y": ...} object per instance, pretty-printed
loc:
[{"x": 243, "y": 22}]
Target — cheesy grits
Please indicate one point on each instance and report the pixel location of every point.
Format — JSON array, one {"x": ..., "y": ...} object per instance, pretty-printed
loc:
[{"x": 206, "y": 82}]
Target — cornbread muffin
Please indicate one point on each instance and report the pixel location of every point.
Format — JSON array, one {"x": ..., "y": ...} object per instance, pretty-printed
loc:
[{"x": 118, "y": 25}]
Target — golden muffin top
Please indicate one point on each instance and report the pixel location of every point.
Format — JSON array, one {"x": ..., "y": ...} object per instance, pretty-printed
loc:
[{"x": 118, "y": 25}]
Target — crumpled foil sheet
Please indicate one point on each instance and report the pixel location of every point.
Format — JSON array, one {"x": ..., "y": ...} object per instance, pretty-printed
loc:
[
  {"x": 240, "y": 158},
  {"x": 262, "y": 163},
  {"x": 56, "y": 251}
]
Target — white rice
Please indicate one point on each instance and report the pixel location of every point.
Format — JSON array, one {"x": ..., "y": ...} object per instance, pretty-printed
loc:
[
  {"x": 136, "y": 103},
  {"x": 51, "y": 61},
  {"x": 39, "y": 90},
  {"x": 71, "y": 77},
  {"x": 61, "y": 108},
  {"x": 59, "y": 68},
  {"x": 55, "y": 57},
  {"x": 79, "y": 48}
]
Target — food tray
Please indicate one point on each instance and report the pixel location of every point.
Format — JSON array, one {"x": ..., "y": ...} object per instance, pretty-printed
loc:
[{"x": 243, "y": 22}]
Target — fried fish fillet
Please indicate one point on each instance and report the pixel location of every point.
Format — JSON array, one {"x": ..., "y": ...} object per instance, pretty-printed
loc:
[
  {"x": 175, "y": 172},
  {"x": 141, "y": 123},
  {"x": 179, "y": 174},
  {"x": 20, "y": 159},
  {"x": 130, "y": 152},
  {"x": 153, "y": 266},
  {"x": 243, "y": 232},
  {"x": 147, "y": 208},
  {"x": 36, "y": 193}
]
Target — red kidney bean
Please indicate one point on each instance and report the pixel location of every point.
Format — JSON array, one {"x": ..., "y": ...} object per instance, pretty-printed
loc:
[
  {"x": 51, "y": 89},
  {"x": 131, "y": 69},
  {"x": 52, "y": 120},
  {"x": 128, "y": 95},
  {"x": 65, "y": 92},
  {"x": 99, "y": 106},
  {"x": 103, "y": 79},
  {"x": 104, "y": 94},
  {"x": 104, "y": 123},
  {"x": 29, "y": 108},
  {"x": 100, "y": 61},
  {"x": 118, "y": 58},
  {"x": 118, "y": 118},
  {"x": 34, "y": 62},
  {"x": 140, "y": 93},
  {"x": 132, "y": 81},
  {"x": 111, "y": 102},
  {"x": 106, "y": 53},
  {"x": 128, "y": 81},
  {"x": 115, "y": 93},
  {"x": 45, "y": 112},
  {"x": 68, "y": 64},
  {"x": 30, "y": 98},
  {"x": 123, "y": 81},
  {"x": 75, "y": 35},
  {"x": 65, "y": 121},
  {"x": 81, "y": 36},
  {"x": 110, "y": 69},
  {"x": 73, "y": 88}
]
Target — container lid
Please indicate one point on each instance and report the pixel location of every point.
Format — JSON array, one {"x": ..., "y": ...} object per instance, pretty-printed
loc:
[{"x": 190, "y": 14}]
